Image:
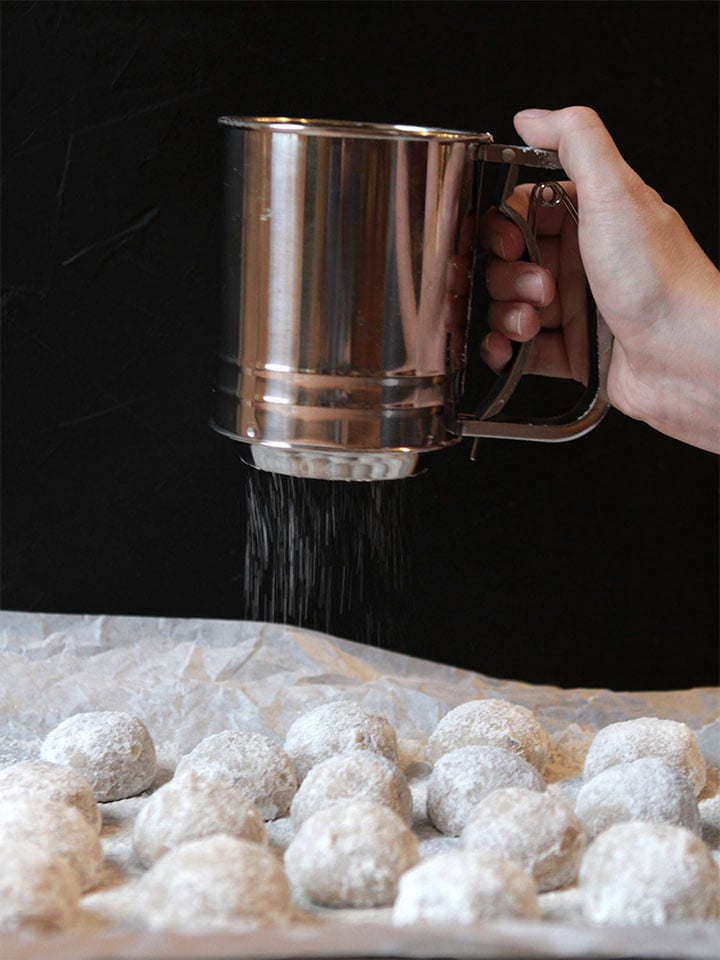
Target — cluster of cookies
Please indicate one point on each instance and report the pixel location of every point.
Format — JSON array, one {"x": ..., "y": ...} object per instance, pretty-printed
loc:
[{"x": 627, "y": 836}]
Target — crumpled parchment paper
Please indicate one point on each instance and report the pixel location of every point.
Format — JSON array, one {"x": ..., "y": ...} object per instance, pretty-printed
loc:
[{"x": 187, "y": 679}]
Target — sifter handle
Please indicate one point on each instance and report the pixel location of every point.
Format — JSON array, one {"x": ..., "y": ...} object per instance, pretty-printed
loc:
[{"x": 592, "y": 406}]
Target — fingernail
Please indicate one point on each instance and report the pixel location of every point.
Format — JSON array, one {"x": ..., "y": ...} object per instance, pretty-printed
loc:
[
  {"x": 497, "y": 244},
  {"x": 530, "y": 286},
  {"x": 514, "y": 321},
  {"x": 534, "y": 113}
]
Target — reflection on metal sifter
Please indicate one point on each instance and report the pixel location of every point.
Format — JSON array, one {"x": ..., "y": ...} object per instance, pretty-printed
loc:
[{"x": 353, "y": 291}]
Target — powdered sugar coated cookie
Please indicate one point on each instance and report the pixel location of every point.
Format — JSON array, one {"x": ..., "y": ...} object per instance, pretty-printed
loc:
[
  {"x": 252, "y": 763},
  {"x": 213, "y": 882},
  {"x": 494, "y": 723},
  {"x": 113, "y": 750},
  {"x": 49, "y": 781},
  {"x": 460, "y": 779},
  {"x": 648, "y": 789},
  {"x": 189, "y": 808},
  {"x": 351, "y": 854},
  {"x": 649, "y": 873},
  {"x": 38, "y": 890},
  {"x": 631, "y": 740},
  {"x": 56, "y": 828},
  {"x": 538, "y": 831},
  {"x": 462, "y": 887},
  {"x": 709, "y": 810},
  {"x": 358, "y": 775},
  {"x": 336, "y": 728}
]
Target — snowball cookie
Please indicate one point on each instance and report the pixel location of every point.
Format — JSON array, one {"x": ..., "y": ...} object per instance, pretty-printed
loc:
[
  {"x": 113, "y": 750},
  {"x": 462, "y": 887},
  {"x": 631, "y": 740},
  {"x": 710, "y": 820},
  {"x": 351, "y": 854},
  {"x": 37, "y": 889},
  {"x": 561, "y": 906},
  {"x": 460, "y": 779},
  {"x": 649, "y": 873},
  {"x": 353, "y": 776},
  {"x": 538, "y": 831},
  {"x": 493, "y": 723},
  {"x": 568, "y": 788},
  {"x": 49, "y": 781},
  {"x": 56, "y": 828},
  {"x": 250, "y": 762},
  {"x": 338, "y": 727},
  {"x": 189, "y": 808},
  {"x": 648, "y": 789},
  {"x": 215, "y": 881}
]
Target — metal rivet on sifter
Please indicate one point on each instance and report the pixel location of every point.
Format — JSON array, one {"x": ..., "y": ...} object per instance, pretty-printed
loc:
[
  {"x": 251, "y": 431},
  {"x": 508, "y": 155}
]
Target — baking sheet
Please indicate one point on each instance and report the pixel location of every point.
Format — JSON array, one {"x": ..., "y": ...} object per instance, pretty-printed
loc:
[{"x": 187, "y": 679}]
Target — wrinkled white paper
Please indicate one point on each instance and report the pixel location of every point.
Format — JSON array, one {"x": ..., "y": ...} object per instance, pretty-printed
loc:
[{"x": 187, "y": 679}]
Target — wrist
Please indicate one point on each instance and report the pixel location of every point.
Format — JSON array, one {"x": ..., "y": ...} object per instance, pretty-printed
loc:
[{"x": 672, "y": 380}]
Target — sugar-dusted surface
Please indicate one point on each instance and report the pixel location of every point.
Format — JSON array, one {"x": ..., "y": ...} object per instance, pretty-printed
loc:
[
  {"x": 254, "y": 764},
  {"x": 494, "y": 723},
  {"x": 188, "y": 678},
  {"x": 113, "y": 749},
  {"x": 537, "y": 830},
  {"x": 49, "y": 781},
  {"x": 649, "y": 789},
  {"x": 630, "y": 740},
  {"x": 56, "y": 828},
  {"x": 190, "y": 808},
  {"x": 459, "y": 887},
  {"x": 351, "y": 854},
  {"x": 212, "y": 882},
  {"x": 649, "y": 873},
  {"x": 357, "y": 775},
  {"x": 337, "y": 728},
  {"x": 38, "y": 890},
  {"x": 463, "y": 777}
]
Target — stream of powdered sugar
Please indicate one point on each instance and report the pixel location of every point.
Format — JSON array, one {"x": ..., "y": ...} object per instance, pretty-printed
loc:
[{"x": 329, "y": 555}]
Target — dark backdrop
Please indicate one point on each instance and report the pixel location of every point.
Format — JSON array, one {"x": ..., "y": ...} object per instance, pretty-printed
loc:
[{"x": 591, "y": 563}]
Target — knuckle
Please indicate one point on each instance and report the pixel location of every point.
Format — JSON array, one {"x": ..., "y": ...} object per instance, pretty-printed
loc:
[{"x": 580, "y": 117}]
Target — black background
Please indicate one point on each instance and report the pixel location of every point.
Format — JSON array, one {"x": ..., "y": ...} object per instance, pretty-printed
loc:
[{"x": 592, "y": 563}]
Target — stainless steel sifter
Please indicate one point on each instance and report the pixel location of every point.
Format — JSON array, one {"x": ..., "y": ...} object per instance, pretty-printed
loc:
[{"x": 352, "y": 288}]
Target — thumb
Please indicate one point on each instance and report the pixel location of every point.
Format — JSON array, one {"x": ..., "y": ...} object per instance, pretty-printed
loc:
[{"x": 586, "y": 149}]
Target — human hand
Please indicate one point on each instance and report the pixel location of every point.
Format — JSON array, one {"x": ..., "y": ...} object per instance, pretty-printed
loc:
[{"x": 656, "y": 289}]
